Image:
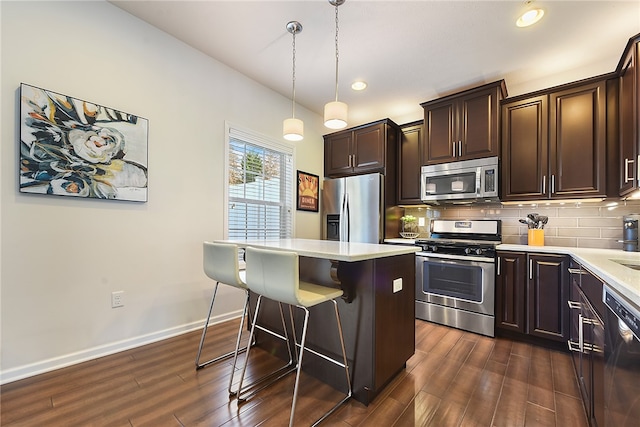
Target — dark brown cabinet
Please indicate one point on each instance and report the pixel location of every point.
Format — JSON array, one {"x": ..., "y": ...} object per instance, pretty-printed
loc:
[
  {"x": 531, "y": 294},
  {"x": 586, "y": 341},
  {"x": 629, "y": 119},
  {"x": 548, "y": 286},
  {"x": 409, "y": 163},
  {"x": 464, "y": 125},
  {"x": 364, "y": 149},
  {"x": 554, "y": 143},
  {"x": 511, "y": 285}
]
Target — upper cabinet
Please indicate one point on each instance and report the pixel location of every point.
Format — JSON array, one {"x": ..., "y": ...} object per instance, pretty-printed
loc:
[
  {"x": 554, "y": 143},
  {"x": 364, "y": 149},
  {"x": 464, "y": 125},
  {"x": 409, "y": 163},
  {"x": 629, "y": 117}
]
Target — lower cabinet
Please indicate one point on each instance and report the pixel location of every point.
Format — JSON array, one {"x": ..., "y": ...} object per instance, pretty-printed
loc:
[
  {"x": 587, "y": 340},
  {"x": 531, "y": 294}
]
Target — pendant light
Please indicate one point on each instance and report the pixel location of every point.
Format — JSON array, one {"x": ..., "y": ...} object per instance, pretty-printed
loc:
[
  {"x": 335, "y": 112},
  {"x": 293, "y": 129}
]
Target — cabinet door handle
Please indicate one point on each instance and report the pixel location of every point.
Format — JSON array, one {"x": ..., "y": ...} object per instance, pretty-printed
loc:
[
  {"x": 530, "y": 269},
  {"x": 553, "y": 184},
  {"x": 544, "y": 184},
  {"x": 627, "y": 178},
  {"x": 580, "y": 334},
  {"x": 453, "y": 148},
  {"x": 498, "y": 273},
  {"x": 459, "y": 148},
  {"x": 638, "y": 171}
]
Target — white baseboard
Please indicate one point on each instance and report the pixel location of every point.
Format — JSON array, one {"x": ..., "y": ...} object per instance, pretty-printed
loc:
[{"x": 32, "y": 369}]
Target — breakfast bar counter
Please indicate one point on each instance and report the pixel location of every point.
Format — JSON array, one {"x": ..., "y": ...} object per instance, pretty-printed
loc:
[{"x": 377, "y": 310}]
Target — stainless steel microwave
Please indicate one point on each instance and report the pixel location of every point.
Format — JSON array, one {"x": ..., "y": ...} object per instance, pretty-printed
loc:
[{"x": 465, "y": 181}]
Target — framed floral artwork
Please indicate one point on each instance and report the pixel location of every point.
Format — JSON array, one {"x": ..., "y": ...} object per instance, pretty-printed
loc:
[
  {"x": 307, "y": 192},
  {"x": 71, "y": 147}
]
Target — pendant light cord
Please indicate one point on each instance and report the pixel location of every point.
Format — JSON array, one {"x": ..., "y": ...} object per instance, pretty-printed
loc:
[
  {"x": 337, "y": 52},
  {"x": 293, "y": 101}
]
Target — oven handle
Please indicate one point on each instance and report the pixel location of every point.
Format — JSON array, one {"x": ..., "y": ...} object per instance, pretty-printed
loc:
[{"x": 454, "y": 259}]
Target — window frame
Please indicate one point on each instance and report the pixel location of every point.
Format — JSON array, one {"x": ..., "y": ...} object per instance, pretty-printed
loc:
[{"x": 263, "y": 141}]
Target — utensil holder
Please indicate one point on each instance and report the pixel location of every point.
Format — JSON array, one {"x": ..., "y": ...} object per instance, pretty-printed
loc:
[{"x": 536, "y": 237}]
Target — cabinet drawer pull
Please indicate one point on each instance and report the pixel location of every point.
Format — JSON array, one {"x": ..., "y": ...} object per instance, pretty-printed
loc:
[
  {"x": 573, "y": 305},
  {"x": 576, "y": 271},
  {"x": 580, "y": 333},
  {"x": 573, "y": 346}
]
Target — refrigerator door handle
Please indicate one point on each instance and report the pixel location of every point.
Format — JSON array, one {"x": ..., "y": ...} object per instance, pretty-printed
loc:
[{"x": 344, "y": 218}]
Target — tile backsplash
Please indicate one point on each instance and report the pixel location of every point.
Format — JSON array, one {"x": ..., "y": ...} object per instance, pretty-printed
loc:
[{"x": 582, "y": 225}]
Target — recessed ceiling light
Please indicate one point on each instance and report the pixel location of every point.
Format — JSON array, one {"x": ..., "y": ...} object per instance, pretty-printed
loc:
[
  {"x": 530, "y": 17},
  {"x": 359, "y": 85}
]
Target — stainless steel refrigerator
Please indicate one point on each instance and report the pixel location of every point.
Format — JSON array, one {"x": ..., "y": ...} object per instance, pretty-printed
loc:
[{"x": 353, "y": 209}]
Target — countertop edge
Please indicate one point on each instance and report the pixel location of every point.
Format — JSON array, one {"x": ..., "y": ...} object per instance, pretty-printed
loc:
[
  {"x": 622, "y": 280},
  {"x": 327, "y": 249}
]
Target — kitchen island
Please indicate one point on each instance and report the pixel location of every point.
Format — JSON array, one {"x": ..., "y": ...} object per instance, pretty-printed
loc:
[{"x": 377, "y": 310}]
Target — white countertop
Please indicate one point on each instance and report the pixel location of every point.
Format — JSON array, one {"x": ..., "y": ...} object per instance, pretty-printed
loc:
[
  {"x": 601, "y": 262},
  {"x": 328, "y": 249}
]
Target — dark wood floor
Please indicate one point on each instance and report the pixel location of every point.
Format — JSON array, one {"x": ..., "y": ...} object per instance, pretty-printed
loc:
[{"x": 454, "y": 379}]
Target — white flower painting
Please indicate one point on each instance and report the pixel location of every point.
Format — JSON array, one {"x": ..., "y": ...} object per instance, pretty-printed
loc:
[{"x": 70, "y": 147}]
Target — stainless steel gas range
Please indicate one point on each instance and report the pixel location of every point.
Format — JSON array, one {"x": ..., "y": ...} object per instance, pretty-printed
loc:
[{"x": 455, "y": 274}]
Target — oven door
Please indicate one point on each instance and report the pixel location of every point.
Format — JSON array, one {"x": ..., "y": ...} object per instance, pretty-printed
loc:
[{"x": 461, "y": 282}]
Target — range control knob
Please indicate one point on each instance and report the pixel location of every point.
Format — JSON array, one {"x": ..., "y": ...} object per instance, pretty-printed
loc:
[
  {"x": 478, "y": 251},
  {"x": 434, "y": 248},
  {"x": 468, "y": 251}
]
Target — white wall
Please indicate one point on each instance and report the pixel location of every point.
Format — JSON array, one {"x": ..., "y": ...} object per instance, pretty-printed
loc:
[{"x": 61, "y": 257}]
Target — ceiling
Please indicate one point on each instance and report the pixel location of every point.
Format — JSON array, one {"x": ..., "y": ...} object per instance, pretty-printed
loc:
[{"x": 407, "y": 51}]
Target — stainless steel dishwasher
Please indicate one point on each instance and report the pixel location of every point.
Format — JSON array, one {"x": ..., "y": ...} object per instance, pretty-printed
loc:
[{"x": 622, "y": 361}]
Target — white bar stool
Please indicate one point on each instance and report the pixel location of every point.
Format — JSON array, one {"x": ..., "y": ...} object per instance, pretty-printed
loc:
[
  {"x": 220, "y": 262},
  {"x": 275, "y": 275}
]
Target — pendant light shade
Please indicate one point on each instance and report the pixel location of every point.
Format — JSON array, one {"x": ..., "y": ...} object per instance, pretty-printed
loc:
[
  {"x": 335, "y": 115},
  {"x": 335, "y": 112},
  {"x": 293, "y": 129}
]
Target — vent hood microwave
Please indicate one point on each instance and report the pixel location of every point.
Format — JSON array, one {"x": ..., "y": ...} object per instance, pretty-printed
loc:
[{"x": 460, "y": 182}]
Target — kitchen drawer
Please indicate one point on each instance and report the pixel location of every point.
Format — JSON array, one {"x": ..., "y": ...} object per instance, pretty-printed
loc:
[{"x": 592, "y": 288}]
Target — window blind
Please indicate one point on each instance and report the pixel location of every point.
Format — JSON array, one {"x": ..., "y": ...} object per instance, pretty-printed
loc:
[{"x": 259, "y": 187}]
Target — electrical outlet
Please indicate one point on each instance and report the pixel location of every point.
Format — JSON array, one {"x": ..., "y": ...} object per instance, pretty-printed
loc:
[
  {"x": 421, "y": 221},
  {"x": 397, "y": 285},
  {"x": 117, "y": 299}
]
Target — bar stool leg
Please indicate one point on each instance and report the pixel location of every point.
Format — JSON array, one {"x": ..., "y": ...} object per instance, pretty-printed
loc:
[
  {"x": 249, "y": 343},
  {"x": 302, "y": 342},
  {"x": 344, "y": 364},
  {"x": 245, "y": 393},
  {"x": 206, "y": 328}
]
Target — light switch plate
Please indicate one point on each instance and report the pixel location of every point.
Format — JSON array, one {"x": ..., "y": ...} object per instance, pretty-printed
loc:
[{"x": 397, "y": 285}]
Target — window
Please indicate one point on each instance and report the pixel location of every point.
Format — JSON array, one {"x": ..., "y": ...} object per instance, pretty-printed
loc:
[{"x": 259, "y": 187}]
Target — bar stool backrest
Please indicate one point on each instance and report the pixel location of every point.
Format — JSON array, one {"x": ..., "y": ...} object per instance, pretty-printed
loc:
[
  {"x": 220, "y": 262},
  {"x": 273, "y": 274}
]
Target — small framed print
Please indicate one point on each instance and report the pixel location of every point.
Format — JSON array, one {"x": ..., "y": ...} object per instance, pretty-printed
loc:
[{"x": 308, "y": 188}]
